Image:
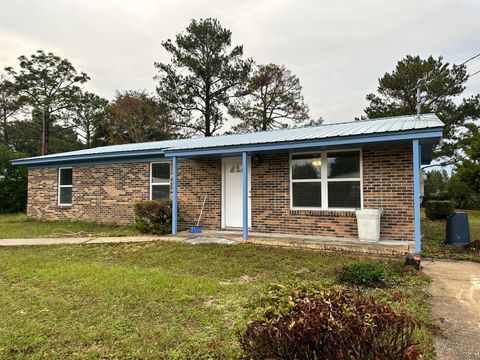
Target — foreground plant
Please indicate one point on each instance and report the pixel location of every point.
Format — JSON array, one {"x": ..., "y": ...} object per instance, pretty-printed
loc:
[{"x": 294, "y": 323}]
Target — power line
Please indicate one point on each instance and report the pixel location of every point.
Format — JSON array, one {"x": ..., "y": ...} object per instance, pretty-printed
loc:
[
  {"x": 475, "y": 73},
  {"x": 473, "y": 57}
]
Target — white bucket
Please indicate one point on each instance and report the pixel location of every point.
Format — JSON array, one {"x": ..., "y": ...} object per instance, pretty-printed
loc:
[{"x": 368, "y": 221}]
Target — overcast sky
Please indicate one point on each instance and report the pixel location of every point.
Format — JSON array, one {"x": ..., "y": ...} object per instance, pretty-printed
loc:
[{"x": 338, "y": 49}]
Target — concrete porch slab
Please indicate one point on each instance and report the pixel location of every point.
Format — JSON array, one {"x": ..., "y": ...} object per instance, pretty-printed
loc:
[
  {"x": 381, "y": 248},
  {"x": 210, "y": 240}
]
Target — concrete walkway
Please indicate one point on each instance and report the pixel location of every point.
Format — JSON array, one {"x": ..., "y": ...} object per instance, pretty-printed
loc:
[
  {"x": 85, "y": 240},
  {"x": 456, "y": 303}
]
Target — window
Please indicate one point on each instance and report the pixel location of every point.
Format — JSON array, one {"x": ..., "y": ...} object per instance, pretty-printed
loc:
[
  {"x": 160, "y": 181},
  {"x": 65, "y": 186},
  {"x": 307, "y": 180},
  {"x": 326, "y": 180},
  {"x": 344, "y": 180}
]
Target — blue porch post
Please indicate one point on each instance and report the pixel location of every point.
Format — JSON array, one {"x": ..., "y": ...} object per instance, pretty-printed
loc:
[
  {"x": 416, "y": 195},
  {"x": 174, "y": 196},
  {"x": 245, "y": 195}
]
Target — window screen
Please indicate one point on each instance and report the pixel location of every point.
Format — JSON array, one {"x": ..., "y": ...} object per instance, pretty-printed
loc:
[
  {"x": 306, "y": 180},
  {"x": 307, "y": 194},
  {"x": 306, "y": 166},
  {"x": 344, "y": 194},
  {"x": 160, "y": 181},
  {"x": 65, "y": 177},
  {"x": 343, "y": 165},
  {"x": 344, "y": 179}
]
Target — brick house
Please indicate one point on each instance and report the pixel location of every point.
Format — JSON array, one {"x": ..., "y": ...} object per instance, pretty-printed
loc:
[{"x": 306, "y": 181}]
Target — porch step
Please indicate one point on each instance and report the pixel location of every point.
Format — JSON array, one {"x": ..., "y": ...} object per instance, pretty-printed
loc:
[
  {"x": 382, "y": 248},
  {"x": 391, "y": 248}
]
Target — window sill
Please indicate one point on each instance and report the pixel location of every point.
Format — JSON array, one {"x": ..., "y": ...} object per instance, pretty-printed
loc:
[
  {"x": 326, "y": 212},
  {"x": 64, "y": 205}
]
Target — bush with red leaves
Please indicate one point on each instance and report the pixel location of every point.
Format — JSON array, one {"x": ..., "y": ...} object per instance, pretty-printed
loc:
[{"x": 335, "y": 325}]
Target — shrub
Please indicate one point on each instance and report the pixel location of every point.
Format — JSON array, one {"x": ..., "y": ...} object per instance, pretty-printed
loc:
[
  {"x": 13, "y": 182},
  {"x": 439, "y": 209},
  {"x": 154, "y": 217},
  {"x": 330, "y": 325},
  {"x": 473, "y": 247},
  {"x": 363, "y": 272}
]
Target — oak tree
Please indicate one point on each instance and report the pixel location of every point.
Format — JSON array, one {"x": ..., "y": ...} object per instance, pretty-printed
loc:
[{"x": 135, "y": 116}]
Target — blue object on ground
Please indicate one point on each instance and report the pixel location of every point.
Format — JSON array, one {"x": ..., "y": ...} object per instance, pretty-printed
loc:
[
  {"x": 458, "y": 229},
  {"x": 196, "y": 229}
]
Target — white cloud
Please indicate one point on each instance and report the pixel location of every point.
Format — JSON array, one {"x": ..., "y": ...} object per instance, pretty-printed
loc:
[{"x": 338, "y": 49}]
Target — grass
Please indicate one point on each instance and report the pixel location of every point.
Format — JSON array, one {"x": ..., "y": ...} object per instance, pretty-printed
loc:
[
  {"x": 157, "y": 300},
  {"x": 19, "y": 226},
  {"x": 433, "y": 242}
]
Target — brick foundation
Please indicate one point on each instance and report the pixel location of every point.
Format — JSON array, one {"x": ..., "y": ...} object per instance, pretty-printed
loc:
[{"x": 106, "y": 193}]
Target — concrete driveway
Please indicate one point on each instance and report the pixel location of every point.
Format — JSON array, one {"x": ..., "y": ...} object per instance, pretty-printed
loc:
[{"x": 456, "y": 303}]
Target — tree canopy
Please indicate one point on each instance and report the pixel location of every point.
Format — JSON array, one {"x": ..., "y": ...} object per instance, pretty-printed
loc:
[
  {"x": 10, "y": 104},
  {"x": 204, "y": 74},
  {"x": 135, "y": 116},
  {"x": 88, "y": 112},
  {"x": 273, "y": 100},
  {"x": 49, "y": 84},
  {"x": 438, "y": 84},
  {"x": 13, "y": 182}
]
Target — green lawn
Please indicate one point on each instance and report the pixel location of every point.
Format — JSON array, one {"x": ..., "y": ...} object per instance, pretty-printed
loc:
[
  {"x": 156, "y": 300},
  {"x": 433, "y": 242},
  {"x": 18, "y": 226}
]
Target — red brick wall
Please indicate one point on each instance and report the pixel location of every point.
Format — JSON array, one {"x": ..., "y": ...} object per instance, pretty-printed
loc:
[
  {"x": 388, "y": 183},
  {"x": 197, "y": 178},
  {"x": 106, "y": 193},
  {"x": 103, "y": 193}
]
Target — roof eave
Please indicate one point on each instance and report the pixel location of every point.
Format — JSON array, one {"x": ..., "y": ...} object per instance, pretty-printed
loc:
[{"x": 120, "y": 156}]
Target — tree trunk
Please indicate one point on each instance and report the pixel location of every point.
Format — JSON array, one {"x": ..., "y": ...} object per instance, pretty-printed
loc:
[
  {"x": 207, "y": 119},
  {"x": 5, "y": 130},
  {"x": 45, "y": 131},
  {"x": 264, "y": 125},
  {"x": 207, "y": 110},
  {"x": 87, "y": 137}
]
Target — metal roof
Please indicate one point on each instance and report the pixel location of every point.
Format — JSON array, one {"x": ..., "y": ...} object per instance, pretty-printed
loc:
[
  {"x": 386, "y": 126},
  {"x": 365, "y": 127}
]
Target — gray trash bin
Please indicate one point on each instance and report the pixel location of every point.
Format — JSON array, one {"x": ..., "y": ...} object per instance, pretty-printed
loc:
[
  {"x": 458, "y": 229},
  {"x": 368, "y": 223}
]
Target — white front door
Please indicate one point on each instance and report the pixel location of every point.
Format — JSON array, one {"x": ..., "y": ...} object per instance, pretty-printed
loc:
[{"x": 232, "y": 192}]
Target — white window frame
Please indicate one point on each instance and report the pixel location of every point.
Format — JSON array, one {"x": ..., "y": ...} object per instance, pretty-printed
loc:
[
  {"x": 64, "y": 186},
  {"x": 161, "y": 183},
  {"x": 324, "y": 180}
]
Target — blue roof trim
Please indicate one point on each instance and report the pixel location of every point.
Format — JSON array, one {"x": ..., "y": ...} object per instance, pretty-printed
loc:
[
  {"x": 436, "y": 133},
  {"x": 120, "y": 156},
  {"x": 90, "y": 162}
]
